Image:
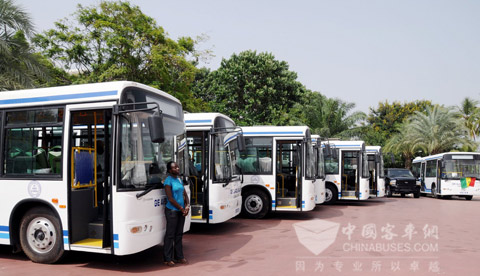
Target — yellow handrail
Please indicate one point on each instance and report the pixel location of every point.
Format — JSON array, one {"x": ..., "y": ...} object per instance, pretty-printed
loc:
[
  {"x": 283, "y": 184},
  {"x": 195, "y": 189}
]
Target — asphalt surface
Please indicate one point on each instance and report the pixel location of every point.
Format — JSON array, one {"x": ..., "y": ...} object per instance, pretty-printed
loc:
[{"x": 384, "y": 236}]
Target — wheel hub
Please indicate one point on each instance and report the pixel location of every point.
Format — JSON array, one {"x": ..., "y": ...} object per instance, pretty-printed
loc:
[
  {"x": 328, "y": 195},
  {"x": 41, "y": 235},
  {"x": 253, "y": 204}
]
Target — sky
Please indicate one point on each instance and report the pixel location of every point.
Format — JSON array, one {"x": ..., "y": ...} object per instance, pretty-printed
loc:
[{"x": 360, "y": 51}]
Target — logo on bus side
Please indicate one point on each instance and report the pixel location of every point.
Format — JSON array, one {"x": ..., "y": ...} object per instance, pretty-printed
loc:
[{"x": 34, "y": 188}]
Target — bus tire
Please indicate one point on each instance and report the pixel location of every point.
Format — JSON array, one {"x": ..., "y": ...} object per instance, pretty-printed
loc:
[
  {"x": 331, "y": 194},
  {"x": 389, "y": 191},
  {"x": 41, "y": 236},
  {"x": 255, "y": 204},
  {"x": 468, "y": 197},
  {"x": 434, "y": 192}
]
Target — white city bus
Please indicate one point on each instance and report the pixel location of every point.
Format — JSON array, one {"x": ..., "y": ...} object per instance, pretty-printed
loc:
[
  {"x": 212, "y": 146},
  {"x": 377, "y": 171},
  {"x": 346, "y": 170},
  {"x": 319, "y": 169},
  {"x": 278, "y": 165},
  {"x": 449, "y": 174},
  {"x": 83, "y": 166}
]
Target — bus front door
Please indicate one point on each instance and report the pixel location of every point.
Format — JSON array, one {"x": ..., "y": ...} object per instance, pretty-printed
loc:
[
  {"x": 89, "y": 188},
  {"x": 197, "y": 142},
  {"x": 350, "y": 174},
  {"x": 373, "y": 181},
  {"x": 288, "y": 175}
]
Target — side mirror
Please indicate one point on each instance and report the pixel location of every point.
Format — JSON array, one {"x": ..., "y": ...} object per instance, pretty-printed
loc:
[
  {"x": 334, "y": 154},
  {"x": 328, "y": 150},
  {"x": 241, "y": 142},
  {"x": 155, "y": 124}
]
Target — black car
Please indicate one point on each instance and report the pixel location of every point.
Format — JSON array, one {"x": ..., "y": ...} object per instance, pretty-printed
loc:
[{"x": 401, "y": 181}]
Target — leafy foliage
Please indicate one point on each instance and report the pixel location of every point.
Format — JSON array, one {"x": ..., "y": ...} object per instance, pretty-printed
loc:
[
  {"x": 117, "y": 41},
  {"x": 251, "y": 88},
  {"x": 19, "y": 66}
]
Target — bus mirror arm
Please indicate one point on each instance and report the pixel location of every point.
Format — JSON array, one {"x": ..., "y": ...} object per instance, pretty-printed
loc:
[
  {"x": 241, "y": 172},
  {"x": 139, "y": 195}
]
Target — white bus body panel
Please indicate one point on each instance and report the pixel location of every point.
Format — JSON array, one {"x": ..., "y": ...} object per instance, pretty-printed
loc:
[
  {"x": 319, "y": 191},
  {"x": 268, "y": 182}
]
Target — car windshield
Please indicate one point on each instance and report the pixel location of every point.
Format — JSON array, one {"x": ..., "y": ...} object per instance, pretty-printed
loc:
[{"x": 399, "y": 173}]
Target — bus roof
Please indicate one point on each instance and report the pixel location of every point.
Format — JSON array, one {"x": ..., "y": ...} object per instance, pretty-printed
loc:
[
  {"x": 203, "y": 120},
  {"x": 280, "y": 131},
  {"x": 92, "y": 92},
  {"x": 373, "y": 149},
  {"x": 346, "y": 144},
  {"x": 441, "y": 155}
]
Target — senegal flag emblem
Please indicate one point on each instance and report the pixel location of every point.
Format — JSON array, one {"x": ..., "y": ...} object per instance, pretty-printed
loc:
[{"x": 467, "y": 182}]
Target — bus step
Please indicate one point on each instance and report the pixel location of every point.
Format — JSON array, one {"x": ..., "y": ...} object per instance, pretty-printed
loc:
[
  {"x": 197, "y": 211},
  {"x": 286, "y": 202},
  {"x": 95, "y": 230},
  {"x": 97, "y": 243}
]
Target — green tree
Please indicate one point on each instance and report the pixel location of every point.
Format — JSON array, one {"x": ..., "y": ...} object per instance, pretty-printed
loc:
[
  {"x": 438, "y": 130},
  {"x": 386, "y": 119},
  {"x": 117, "y": 41},
  {"x": 19, "y": 66},
  {"x": 252, "y": 89},
  {"x": 330, "y": 117},
  {"x": 470, "y": 114}
]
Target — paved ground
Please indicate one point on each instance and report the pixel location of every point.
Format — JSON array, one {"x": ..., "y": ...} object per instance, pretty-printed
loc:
[{"x": 392, "y": 236}]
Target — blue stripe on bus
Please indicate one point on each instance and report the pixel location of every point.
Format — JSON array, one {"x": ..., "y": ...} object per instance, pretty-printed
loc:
[
  {"x": 210, "y": 212},
  {"x": 210, "y": 217},
  {"x": 65, "y": 233},
  {"x": 4, "y": 228},
  {"x": 116, "y": 245},
  {"x": 230, "y": 139},
  {"x": 303, "y": 201},
  {"x": 197, "y": 121},
  {"x": 273, "y": 132},
  {"x": 5, "y": 236},
  {"x": 59, "y": 97},
  {"x": 65, "y": 240},
  {"x": 115, "y": 237}
]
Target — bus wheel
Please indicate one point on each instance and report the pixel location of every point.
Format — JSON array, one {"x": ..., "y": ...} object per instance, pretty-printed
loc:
[
  {"x": 389, "y": 191},
  {"x": 468, "y": 197},
  {"x": 331, "y": 194},
  {"x": 41, "y": 236},
  {"x": 434, "y": 192},
  {"x": 255, "y": 204}
]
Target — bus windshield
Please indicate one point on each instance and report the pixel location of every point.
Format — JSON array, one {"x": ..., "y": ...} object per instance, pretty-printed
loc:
[
  {"x": 460, "y": 168},
  {"x": 310, "y": 158},
  {"x": 320, "y": 163},
  {"x": 144, "y": 163},
  {"x": 225, "y": 157}
]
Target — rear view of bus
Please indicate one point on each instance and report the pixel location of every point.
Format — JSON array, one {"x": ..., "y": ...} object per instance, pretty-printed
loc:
[
  {"x": 449, "y": 174},
  {"x": 212, "y": 140},
  {"x": 279, "y": 170},
  {"x": 376, "y": 170},
  {"x": 346, "y": 170},
  {"x": 83, "y": 168}
]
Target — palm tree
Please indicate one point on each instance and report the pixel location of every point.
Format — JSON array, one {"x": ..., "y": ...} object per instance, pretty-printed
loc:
[
  {"x": 437, "y": 130},
  {"x": 18, "y": 65},
  {"x": 471, "y": 116},
  {"x": 400, "y": 143}
]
